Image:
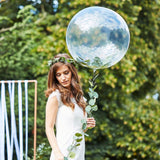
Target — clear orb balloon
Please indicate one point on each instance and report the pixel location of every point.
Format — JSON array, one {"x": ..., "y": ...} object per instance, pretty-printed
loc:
[{"x": 97, "y": 37}]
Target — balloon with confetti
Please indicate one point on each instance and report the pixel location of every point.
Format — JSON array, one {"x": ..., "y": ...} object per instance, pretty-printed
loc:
[{"x": 97, "y": 37}]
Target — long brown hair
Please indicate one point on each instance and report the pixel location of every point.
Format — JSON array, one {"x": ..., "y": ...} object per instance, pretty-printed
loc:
[{"x": 76, "y": 90}]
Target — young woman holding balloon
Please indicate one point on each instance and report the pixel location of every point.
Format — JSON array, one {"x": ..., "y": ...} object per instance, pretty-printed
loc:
[
  {"x": 65, "y": 108},
  {"x": 97, "y": 38}
]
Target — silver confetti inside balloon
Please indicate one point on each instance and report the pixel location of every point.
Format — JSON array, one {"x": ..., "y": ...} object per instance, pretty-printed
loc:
[{"x": 97, "y": 37}]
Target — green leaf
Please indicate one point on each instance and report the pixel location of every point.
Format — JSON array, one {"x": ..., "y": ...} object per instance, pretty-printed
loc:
[
  {"x": 92, "y": 102},
  {"x": 65, "y": 158},
  {"x": 91, "y": 90},
  {"x": 83, "y": 120},
  {"x": 84, "y": 126},
  {"x": 95, "y": 108},
  {"x": 91, "y": 83},
  {"x": 88, "y": 109},
  {"x": 70, "y": 148},
  {"x": 72, "y": 155},
  {"x": 90, "y": 94},
  {"x": 78, "y": 144},
  {"x": 87, "y": 135},
  {"x": 79, "y": 140},
  {"x": 78, "y": 134},
  {"x": 95, "y": 94},
  {"x": 95, "y": 87}
]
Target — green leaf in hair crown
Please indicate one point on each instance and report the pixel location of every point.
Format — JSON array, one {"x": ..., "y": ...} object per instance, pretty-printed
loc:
[{"x": 62, "y": 60}]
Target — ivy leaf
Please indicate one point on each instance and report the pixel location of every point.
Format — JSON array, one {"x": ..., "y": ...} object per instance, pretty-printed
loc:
[
  {"x": 79, "y": 140},
  {"x": 91, "y": 90},
  {"x": 78, "y": 134},
  {"x": 95, "y": 108},
  {"x": 91, "y": 83},
  {"x": 90, "y": 94},
  {"x": 92, "y": 102},
  {"x": 72, "y": 155},
  {"x": 83, "y": 120},
  {"x": 82, "y": 61},
  {"x": 84, "y": 126},
  {"x": 88, "y": 109},
  {"x": 86, "y": 134},
  {"x": 95, "y": 94},
  {"x": 70, "y": 148},
  {"x": 95, "y": 87}
]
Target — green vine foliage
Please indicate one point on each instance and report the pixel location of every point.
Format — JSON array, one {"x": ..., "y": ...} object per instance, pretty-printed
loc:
[
  {"x": 77, "y": 138},
  {"x": 89, "y": 109},
  {"x": 93, "y": 95}
]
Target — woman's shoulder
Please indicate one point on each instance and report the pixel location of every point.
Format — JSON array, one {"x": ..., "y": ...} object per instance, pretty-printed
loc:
[{"x": 56, "y": 94}]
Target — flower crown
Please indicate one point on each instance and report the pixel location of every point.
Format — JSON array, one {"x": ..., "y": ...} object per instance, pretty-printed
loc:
[{"x": 62, "y": 60}]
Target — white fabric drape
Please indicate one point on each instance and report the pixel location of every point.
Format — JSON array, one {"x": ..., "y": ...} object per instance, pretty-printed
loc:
[
  {"x": 26, "y": 118},
  {"x": 2, "y": 129},
  {"x": 14, "y": 139},
  {"x": 10, "y": 132},
  {"x": 20, "y": 119}
]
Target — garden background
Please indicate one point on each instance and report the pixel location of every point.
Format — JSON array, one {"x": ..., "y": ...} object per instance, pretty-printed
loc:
[{"x": 128, "y": 119}]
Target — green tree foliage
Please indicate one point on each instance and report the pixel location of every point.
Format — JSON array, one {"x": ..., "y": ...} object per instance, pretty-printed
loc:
[{"x": 128, "y": 124}]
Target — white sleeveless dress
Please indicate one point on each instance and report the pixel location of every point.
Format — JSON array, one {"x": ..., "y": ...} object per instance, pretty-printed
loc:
[{"x": 68, "y": 122}]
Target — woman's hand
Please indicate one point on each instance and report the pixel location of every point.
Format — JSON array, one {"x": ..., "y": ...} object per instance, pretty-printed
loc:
[{"x": 91, "y": 122}]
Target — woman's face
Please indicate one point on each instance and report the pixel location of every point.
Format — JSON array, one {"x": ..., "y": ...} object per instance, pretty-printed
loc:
[{"x": 64, "y": 75}]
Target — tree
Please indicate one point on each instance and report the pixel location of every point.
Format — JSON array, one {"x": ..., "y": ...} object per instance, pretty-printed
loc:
[{"x": 128, "y": 116}]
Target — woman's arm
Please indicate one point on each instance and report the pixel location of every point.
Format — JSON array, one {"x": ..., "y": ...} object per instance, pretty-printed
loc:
[{"x": 51, "y": 113}]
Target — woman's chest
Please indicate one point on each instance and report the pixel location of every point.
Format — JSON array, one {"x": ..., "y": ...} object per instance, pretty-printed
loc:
[{"x": 66, "y": 111}]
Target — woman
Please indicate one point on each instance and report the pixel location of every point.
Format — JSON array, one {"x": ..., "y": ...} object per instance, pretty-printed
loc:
[{"x": 65, "y": 108}]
